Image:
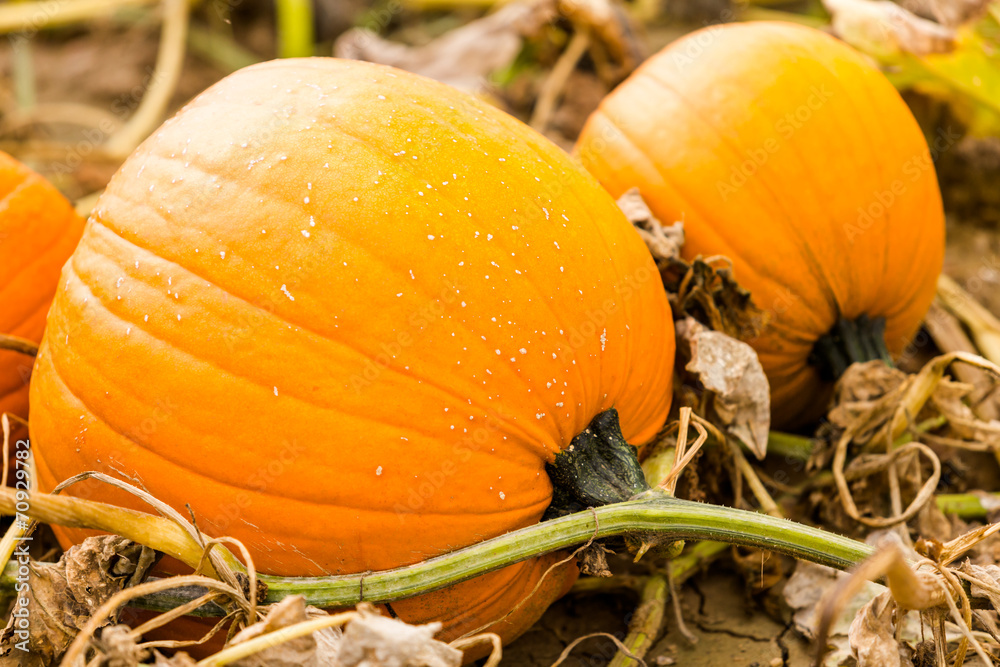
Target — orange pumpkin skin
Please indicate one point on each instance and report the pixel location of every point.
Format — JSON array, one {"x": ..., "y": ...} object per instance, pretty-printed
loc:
[
  {"x": 38, "y": 231},
  {"x": 783, "y": 149},
  {"x": 349, "y": 314}
]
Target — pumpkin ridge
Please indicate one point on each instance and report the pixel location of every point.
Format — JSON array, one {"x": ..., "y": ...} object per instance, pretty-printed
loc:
[
  {"x": 549, "y": 161},
  {"x": 878, "y": 164},
  {"x": 40, "y": 253},
  {"x": 374, "y": 149},
  {"x": 779, "y": 214},
  {"x": 36, "y": 259},
  {"x": 270, "y": 492},
  {"x": 20, "y": 172},
  {"x": 524, "y": 441},
  {"x": 730, "y": 250},
  {"x": 867, "y": 94},
  {"x": 518, "y": 436},
  {"x": 31, "y": 181},
  {"x": 225, "y": 290},
  {"x": 594, "y": 223}
]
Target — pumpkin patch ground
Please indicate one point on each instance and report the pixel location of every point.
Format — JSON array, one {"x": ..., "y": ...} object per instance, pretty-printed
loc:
[{"x": 524, "y": 333}]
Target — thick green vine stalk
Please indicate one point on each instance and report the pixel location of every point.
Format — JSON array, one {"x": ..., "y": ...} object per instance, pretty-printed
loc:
[{"x": 652, "y": 513}]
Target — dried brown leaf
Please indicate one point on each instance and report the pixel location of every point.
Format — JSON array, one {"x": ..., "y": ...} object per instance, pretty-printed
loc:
[
  {"x": 989, "y": 576},
  {"x": 884, "y": 28},
  {"x": 703, "y": 289},
  {"x": 731, "y": 370},
  {"x": 118, "y": 648},
  {"x": 60, "y": 597},
  {"x": 951, "y": 13},
  {"x": 180, "y": 659},
  {"x": 872, "y": 634},
  {"x": 464, "y": 57},
  {"x": 313, "y": 650},
  {"x": 664, "y": 243},
  {"x": 593, "y": 560},
  {"x": 376, "y": 641}
]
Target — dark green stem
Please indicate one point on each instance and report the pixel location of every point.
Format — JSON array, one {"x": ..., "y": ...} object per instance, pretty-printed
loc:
[
  {"x": 598, "y": 468},
  {"x": 850, "y": 342}
]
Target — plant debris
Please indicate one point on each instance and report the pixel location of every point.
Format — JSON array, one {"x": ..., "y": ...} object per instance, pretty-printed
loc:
[
  {"x": 704, "y": 288},
  {"x": 465, "y": 57},
  {"x": 730, "y": 369},
  {"x": 312, "y": 650},
  {"x": 61, "y": 597}
]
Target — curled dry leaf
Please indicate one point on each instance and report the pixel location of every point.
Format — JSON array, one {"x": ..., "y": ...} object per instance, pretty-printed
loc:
[
  {"x": 118, "y": 647},
  {"x": 703, "y": 289},
  {"x": 593, "y": 560},
  {"x": 951, "y": 13},
  {"x": 464, "y": 57},
  {"x": 313, "y": 650},
  {"x": 865, "y": 396},
  {"x": 60, "y": 597},
  {"x": 884, "y": 28},
  {"x": 731, "y": 370},
  {"x": 872, "y": 634},
  {"x": 985, "y": 581},
  {"x": 804, "y": 593},
  {"x": 664, "y": 243},
  {"x": 371, "y": 640}
]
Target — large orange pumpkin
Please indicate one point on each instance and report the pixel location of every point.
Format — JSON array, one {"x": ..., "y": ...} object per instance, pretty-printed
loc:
[
  {"x": 785, "y": 150},
  {"x": 38, "y": 231},
  {"x": 350, "y": 316}
]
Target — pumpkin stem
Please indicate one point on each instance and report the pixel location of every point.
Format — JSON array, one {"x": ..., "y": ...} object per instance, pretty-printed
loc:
[
  {"x": 849, "y": 342},
  {"x": 598, "y": 468}
]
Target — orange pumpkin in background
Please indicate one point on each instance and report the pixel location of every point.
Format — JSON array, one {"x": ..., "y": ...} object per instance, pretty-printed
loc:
[
  {"x": 788, "y": 152},
  {"x": 38, "y": 231},
  {"x": 352, "y": 317}
]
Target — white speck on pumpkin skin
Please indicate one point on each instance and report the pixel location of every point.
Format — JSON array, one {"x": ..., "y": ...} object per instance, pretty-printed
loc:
[{"x": 275, "y": 391}]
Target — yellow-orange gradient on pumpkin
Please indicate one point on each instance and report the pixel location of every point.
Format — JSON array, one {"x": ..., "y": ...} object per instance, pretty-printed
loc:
[
  {"x": 788, "y": 152},
  {"x": 38, "y": 231},
  {"x": 348, "y": 314}
]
